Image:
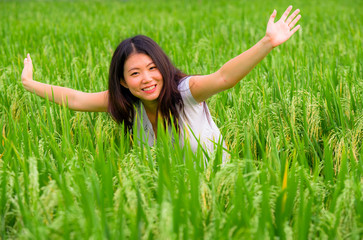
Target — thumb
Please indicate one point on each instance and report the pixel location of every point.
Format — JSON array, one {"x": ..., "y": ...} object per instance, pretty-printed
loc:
[{"x": 272, "y": 17}]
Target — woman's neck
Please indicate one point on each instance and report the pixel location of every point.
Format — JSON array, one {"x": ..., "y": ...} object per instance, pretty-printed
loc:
[
  {"x": 150, "y": 107},
  {"x": 151, "y": 112}
]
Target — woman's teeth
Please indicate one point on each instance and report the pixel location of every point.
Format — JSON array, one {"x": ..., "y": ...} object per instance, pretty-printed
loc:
[{"x": 149, "y": 88}]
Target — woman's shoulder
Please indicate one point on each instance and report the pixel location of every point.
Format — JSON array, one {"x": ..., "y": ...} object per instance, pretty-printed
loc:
[
  {"x": 184, "y": 89},
  {"x": 184, "y": 83}
]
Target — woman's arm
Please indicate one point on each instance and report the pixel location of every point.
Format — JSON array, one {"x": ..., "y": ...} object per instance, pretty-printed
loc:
[
  {"x": 75, "y": 100},
  {"x": 203, "y": 87}
]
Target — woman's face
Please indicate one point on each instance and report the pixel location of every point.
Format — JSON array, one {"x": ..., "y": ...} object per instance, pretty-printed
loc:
[{"x": 142, "y": 78}]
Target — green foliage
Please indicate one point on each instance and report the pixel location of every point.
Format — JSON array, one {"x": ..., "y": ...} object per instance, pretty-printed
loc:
[{"x": 293, "y": 126}]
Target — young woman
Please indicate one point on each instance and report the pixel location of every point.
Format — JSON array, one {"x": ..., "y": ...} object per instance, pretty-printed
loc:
[{"x": 142, "y": 77}]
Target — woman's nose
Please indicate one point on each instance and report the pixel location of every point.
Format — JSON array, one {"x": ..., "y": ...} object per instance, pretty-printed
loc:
[{"x": 146, "y": 77}]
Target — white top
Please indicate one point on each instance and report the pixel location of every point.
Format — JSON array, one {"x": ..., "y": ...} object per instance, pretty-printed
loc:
[{"x": 196, "y": 120}]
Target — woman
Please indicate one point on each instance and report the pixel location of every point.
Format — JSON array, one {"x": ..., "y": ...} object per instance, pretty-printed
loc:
[{"x": 142, "y": 76}]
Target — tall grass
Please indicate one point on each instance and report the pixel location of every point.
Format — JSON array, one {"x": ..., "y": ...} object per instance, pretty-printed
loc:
[{"x": 293, "y": 126}]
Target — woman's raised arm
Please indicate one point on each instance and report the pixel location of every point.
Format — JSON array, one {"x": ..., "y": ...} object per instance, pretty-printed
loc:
[
  {"x": 203, "y": 87},
  {"x": 75, "y": 100}
]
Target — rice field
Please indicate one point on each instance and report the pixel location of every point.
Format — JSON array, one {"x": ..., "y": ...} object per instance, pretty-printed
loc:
[{"x": 293, "y": 126}]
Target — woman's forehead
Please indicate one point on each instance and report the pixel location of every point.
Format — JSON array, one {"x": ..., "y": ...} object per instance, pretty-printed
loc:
[{"x": 138, "y": 60}]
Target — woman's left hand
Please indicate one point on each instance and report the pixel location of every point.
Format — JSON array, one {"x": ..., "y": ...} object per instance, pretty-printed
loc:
[{"x": 283, "y": 29}]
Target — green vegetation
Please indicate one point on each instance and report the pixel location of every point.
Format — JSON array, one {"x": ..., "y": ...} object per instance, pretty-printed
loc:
[{"x": 294, "y": 125}]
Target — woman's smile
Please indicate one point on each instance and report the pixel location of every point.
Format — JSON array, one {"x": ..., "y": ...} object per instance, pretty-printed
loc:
[{"x": 150, "y": 89}]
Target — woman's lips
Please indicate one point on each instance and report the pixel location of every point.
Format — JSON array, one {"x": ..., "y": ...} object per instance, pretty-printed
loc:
[{"x": 149, "y": 89}]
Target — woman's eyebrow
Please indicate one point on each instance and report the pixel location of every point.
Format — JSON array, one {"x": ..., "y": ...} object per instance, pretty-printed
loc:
[{"x": 136, "y": 68}]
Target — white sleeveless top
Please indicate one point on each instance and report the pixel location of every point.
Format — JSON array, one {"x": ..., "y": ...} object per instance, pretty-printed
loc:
[{"x": 197, "y": 122}]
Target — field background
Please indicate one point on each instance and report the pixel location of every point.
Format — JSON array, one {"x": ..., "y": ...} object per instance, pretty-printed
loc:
[{"x": 293, "y": 126}]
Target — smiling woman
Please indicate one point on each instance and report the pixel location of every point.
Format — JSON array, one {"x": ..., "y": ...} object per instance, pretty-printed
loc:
[
  {"x": 138, "y": 64},
  {"x": 142, "y": 76},
  {"x": 143, "y": 79}
]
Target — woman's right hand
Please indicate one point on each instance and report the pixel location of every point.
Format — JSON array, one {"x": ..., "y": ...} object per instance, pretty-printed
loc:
[
  {"x": 76, "y": 100},
  {"x": 27, "y": 74}
]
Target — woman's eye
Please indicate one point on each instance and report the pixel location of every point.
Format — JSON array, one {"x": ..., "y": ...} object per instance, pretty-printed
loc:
[
  {"x": 134, "y": 73},
  {"x": 151, "y": 68}
]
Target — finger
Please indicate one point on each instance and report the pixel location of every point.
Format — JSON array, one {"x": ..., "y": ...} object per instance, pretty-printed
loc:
[
  {"x": 288, "y": 21},
  {"x": 293, "y": 23},
  {"x": 286, "y": 13},
  {"x": 28, "y": 56},
  {"x": 272, "y": 17},
  {"x": 294, "y": 30}
]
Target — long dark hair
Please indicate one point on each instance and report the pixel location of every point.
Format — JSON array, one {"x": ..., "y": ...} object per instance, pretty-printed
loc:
[{"x": 122, "y": 102}]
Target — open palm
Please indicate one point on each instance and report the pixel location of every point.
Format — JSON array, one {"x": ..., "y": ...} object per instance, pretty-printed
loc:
[{"x": 280, "y": 31}]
